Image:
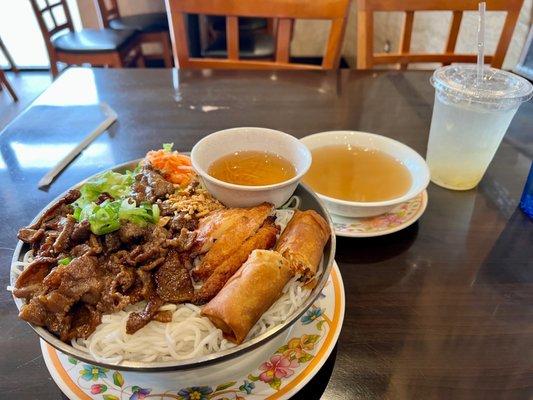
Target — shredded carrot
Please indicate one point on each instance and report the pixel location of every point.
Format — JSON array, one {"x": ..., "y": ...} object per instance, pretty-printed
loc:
[{"x": 175, "y": 167}]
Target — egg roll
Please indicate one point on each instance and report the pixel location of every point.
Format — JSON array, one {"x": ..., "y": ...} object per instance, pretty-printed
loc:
[
  {"x": 303, "y": 240},
  {"x": 248, "y": 294}
]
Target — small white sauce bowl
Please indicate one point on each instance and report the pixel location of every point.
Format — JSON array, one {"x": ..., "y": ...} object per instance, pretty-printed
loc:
[
  {"x": 408, "y": 157},
  {"x": 228, "y": 141}
]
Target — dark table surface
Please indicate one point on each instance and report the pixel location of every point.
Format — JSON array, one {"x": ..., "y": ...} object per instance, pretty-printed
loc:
[{"x": 443, "y": 309}]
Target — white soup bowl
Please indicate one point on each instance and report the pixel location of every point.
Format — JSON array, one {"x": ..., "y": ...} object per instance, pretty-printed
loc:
[
  {"x": 408, "y": 157},
  {"x": 228, "y": 141}
]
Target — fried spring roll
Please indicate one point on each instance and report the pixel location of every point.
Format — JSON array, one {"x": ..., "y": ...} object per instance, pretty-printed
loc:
[
  {"x": 265, "y": 238},
  {"x": 248, "y": 294},
  {"x": 303, "y": 240}
]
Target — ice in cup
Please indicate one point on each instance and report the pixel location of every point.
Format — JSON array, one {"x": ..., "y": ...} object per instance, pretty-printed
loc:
[{"x": 469, "y": 122}]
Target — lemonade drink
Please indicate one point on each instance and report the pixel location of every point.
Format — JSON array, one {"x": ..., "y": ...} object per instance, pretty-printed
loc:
[{"x": 469, "y": 122}]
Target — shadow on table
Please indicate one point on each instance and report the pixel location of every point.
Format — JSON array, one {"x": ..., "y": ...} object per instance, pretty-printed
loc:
[
  {"x": 317, "y": 385},
  {"x": 373, "y": 262},
  {"x": 375, "y": 249},
  {"x": 511, "y": 257}
]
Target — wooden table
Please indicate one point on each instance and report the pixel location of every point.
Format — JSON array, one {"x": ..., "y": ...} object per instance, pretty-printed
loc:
[{"x": 443, "y": 309}]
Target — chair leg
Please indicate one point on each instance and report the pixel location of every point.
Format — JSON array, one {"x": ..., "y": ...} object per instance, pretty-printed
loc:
[
  {"x": 7, "y": 85},
  {"x": 167, "y": 50},
  {"x": 115, "y": 60},
  {"x": 8, "y": 57},
  {"x": 140, "y": 59},
  {"x": 53, "y": 66}
]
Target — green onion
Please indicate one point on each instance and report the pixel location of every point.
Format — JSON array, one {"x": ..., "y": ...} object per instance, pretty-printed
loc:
[
  {"x": 116, "y": 184},
  {"x": 107, "y": 216},
  {"x": 65, "y": 261}
]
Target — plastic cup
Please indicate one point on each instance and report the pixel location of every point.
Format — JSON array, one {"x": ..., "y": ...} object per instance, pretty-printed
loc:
[{"x": 469, "y": 122}]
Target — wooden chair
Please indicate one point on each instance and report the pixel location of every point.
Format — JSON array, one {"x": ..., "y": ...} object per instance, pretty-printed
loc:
[
  {"x": 93, "y": 46},
  {"x": 366, "y": 58},
  {"x": 5, "y": 83},
  {"x": 285, "y": 11},
  {"x": 8, "y": 57},
  {"x": 151, "y": 28}
]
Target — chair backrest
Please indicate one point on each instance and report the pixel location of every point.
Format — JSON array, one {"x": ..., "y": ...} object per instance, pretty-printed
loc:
[
  {"x": 366, "y": 58},
  {"x": 48, "y": 14},
  {"x": 107, "y": 10},
  {"x": 285, "y": 11}
]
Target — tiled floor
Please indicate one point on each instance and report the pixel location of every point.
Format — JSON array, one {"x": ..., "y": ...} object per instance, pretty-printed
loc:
[{"x": 27, "y": 85}]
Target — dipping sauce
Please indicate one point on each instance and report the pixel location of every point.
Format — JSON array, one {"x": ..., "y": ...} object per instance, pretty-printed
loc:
[
  {"x": 357, "y": 174},
  {"x": 252, "y": 168}
]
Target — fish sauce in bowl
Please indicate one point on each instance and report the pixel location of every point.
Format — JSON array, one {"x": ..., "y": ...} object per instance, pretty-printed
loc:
[{"x": 252, "y": 168}]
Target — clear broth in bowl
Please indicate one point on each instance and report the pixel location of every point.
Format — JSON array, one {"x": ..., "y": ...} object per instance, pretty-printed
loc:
[
  {"x": 252, "y": 168},
  {"x": 357, "y": 174}
]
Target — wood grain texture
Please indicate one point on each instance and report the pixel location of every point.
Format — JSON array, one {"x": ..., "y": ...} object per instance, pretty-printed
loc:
[
  {"x": 365, "y": 32},
  {"x": 435, "y": 5},
  {"x": 283, "y": 40},
  {"x": 407, "y": 32},
  {"x": 365, "y": 39},
  {"x": 303, "y": 9},
  {"x": 457, "y": 17},
  {"x": 441, "y": 310},
  {"x": 282, "y": 12},
  {"x": 232, "y": 37}
]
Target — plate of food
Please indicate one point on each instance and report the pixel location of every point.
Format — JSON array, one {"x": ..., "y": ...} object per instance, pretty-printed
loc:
[
  {"x": 278, "y": 374},
  {"x": 142, "y": 268}
]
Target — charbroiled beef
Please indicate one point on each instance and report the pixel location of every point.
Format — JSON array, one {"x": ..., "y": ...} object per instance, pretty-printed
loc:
[
  {"x": 30, "y": 282},
  {"x": 81, "y": 231},
  {"x": 166, "y": 209},
  {"x": 94, "y": 242},
  {"x": 137, "y": 320},
  {"x": 103, "y": 197},
  {"x": 143, "y": 287},
  {"x": 131, "y": 233},
  {"x": 81, "y": 249},
  {"x": 56, "y": 303},
  {"x": 31, "y": 236},
  {"x": 172, "y": 280},
  {"x": 82, "y": 275},
  {"x": 183, "y": 220},
  {"x": 153, "y": 264},
  {"x": 183, "y": 242},
  {"x": 63, "y": 240},
  {"x": 150, "y": 186},
  {"x": 58, "y": 208},
  {"x": 45, "y": 247},
  {"x": 112, "y": 242},
  {"x": 84, "y": 320}
]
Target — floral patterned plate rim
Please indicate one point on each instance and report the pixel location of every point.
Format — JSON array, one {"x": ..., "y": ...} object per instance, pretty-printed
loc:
[
  {"x": 280, "y": 376},
  {"x": 399, "y": 218}
]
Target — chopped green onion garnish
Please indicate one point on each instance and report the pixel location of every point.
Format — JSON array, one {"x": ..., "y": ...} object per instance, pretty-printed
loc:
[
  {"x": 168, "y": 146},
  {"x": 65, "y": 261}
]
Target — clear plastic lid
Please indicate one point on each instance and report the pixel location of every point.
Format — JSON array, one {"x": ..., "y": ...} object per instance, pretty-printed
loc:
[{"x": 499, "y": 89}]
